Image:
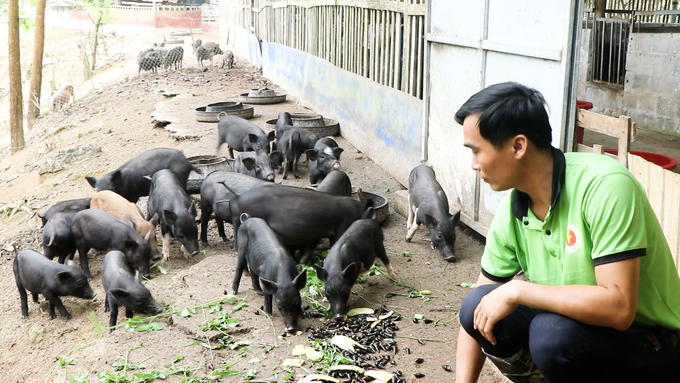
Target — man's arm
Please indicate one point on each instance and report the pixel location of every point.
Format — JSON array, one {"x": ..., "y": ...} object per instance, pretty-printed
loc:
[
  {"x": 469, "y": 356},
  {"x": 610, "y": 303}
]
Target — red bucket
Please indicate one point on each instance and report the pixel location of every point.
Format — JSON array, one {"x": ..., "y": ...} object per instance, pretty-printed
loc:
[
  {"x": 579, "y": 130},
  {"x": 665, "y": 162}
]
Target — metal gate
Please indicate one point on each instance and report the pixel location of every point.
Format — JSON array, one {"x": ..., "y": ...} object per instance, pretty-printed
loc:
[{"x": 471, "y": 45}]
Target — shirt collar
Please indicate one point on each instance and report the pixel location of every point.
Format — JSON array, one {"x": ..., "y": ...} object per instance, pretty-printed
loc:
[{"x": 521, "y": 200}]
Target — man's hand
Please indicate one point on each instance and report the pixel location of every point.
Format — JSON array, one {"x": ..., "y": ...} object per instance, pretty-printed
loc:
[{"x": 495, "y": 306}]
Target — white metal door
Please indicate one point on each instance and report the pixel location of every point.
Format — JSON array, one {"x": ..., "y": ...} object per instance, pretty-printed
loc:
[{"x": 473, "y": 44}]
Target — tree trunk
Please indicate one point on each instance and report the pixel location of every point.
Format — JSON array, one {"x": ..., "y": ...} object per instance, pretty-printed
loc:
[
  {"x": 97, "y": 26},
  {"x": 16, "y": 122},
  {"x": 36, "y": 71}
]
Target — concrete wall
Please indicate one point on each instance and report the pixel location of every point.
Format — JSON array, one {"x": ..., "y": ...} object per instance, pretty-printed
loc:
[
  {"x": 651, "y": 95},
  {"x": 383, "y": 123},
  {"x": 652, "y": 92}
]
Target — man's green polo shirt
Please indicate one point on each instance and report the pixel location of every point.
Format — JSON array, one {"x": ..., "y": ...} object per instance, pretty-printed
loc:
[{"x": 599, "y": 214}]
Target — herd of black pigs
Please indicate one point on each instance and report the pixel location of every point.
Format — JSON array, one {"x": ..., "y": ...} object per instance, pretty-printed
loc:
[{"x": 276, "y": 226}]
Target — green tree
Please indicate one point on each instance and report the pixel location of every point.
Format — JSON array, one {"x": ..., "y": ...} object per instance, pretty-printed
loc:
[{"x": 98, "y": 12}]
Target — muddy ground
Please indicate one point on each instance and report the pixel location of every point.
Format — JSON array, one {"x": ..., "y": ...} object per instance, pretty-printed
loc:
[{"x": 102, "y": 130}]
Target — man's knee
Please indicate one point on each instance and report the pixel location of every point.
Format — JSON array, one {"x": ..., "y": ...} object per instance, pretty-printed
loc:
[
  {"x": 551, "y": 340},
  {"x": 470, "y": 303}
]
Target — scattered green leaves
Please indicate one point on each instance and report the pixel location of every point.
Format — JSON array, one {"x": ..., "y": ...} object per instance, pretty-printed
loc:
[
  {"x": 84, "y": 378},
  {"x": 99, "y": 327},
  {"x": 187, "y": 312},
  {"x": 65, "y": 361},
  {"x": 315, "y": 288},
  {"x": 469, "y": 285},
  {"x": 139, "y": 324},
  {"x": 161, "y": 269},
  {"x": 239, "y": 344},
  {"x": 222, "y": 322},
  {"x": 250, "y": 374},
  {"x": 331, "y": 355}
]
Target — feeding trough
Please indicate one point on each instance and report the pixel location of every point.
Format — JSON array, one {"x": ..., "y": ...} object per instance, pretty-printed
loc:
[
  {"x": 211, "y": 112},
  {"x": 262, "y": 96},
  {"x": 379, "y": 202},
  {"x": 314, "y": 123},
  {"x": 205, "y": 165},
  {"x": 224, "y": 106},
  {"x": 381, "y": 205}
]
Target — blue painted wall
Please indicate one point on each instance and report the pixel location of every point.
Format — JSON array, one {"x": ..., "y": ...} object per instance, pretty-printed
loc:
[{"x": 383, "y": 123}]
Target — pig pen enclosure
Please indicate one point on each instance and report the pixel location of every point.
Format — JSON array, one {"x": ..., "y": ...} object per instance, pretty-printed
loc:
[{"x": 205, "y": 334}]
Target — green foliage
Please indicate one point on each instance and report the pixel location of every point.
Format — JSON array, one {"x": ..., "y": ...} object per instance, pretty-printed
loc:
[
  {"x": 315, "y": 290},
  {"x": 250, "y": 374},
  {"x": 140, "y": 324},
  {"x": 331, "y": 355},
  {"x": 65, "y": 361},
  {"x": 26, "y": 13},
  {"x": 84, "y": 378},
  {"x": 99, "y": 327},
  {"x": 221, "y": 323},
  {"x": 161, "y": 269},
  {"x": 121, "y": 364},
  {"x": 187, "y": 372},
  {"x": 187, "y": 312},
  {"x": 469, "y": 285},
  {"x": 97, "y": 9}
]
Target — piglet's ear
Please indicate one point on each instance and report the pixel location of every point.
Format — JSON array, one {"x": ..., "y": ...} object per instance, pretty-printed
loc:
[
  {"x": 64, "y": 277},
  {"x": 455, "y": 218},
  {"x": 249, "y": 163},
  {"x": 116, "y": 177},
  {"x": 268, "y": 285},
  {"x": 120, "y": 294},
  {"x": 337, "y": 152},
  {"x": 350, "y": 271},
  {"x": 430, "y": 221},
  {"x": 170, "y": 217},
  {"x": 321, "y": 272},
  {"x": 311, "y": 154},
  {"x": 301, "y": 280},
  {"x": 131, "y": 245},
  {"x": 92, "y": 181}
]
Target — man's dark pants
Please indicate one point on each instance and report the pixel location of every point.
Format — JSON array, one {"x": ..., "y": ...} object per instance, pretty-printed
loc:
[{"x": 565, "y": 350}]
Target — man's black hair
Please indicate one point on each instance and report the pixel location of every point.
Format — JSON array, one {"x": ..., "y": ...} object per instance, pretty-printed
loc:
[{"x": 509, "y": 109}]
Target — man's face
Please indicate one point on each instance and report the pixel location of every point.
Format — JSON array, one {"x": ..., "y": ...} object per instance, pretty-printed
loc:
[{"x": 496, "y": 167}]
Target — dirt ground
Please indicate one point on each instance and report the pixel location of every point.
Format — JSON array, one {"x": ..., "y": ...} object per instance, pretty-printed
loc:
[{"x": 102, "y": 130}]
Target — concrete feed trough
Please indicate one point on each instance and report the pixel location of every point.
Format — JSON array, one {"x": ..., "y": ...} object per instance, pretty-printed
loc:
[
  {"x": 262, "y": 96},
  {"x": 314, "y": 123},
  {"x": 205, "y": 165},
  {"x": 211, "y": 112}
]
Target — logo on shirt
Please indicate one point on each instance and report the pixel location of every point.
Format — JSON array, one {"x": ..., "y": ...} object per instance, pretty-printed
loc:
[{"x": 574, "y": 239}]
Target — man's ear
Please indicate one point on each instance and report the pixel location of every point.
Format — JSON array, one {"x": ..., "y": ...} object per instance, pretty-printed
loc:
[{"x": 519, "y": 145}]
